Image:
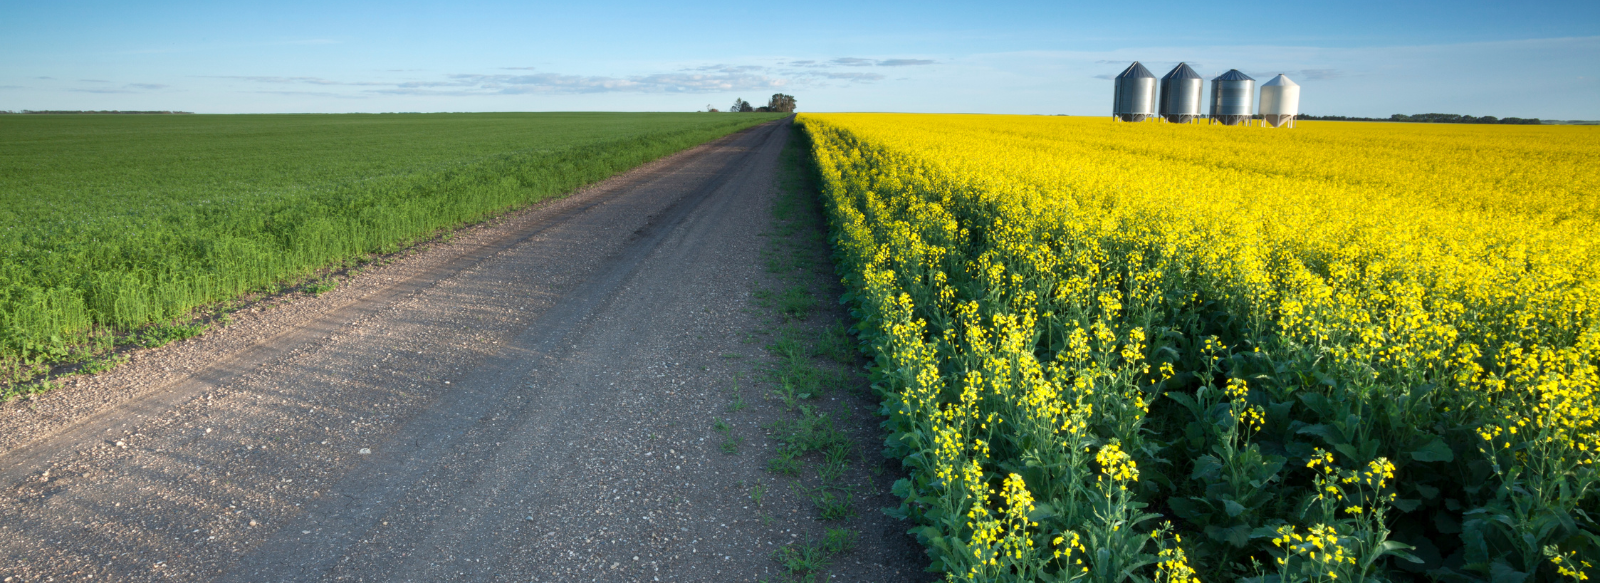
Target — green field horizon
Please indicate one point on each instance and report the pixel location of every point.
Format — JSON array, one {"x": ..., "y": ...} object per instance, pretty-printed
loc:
[{"x": 111, "y": 224}]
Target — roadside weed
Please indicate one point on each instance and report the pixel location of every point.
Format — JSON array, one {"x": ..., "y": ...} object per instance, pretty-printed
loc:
[
  {"x": 317, "y": 288},
  {"x": 783, "y": 463},
  {"x": 730, "y": 442},
  {"x": 100, "y": 365},
  {"x": 162, "y": 335},
  {"x": 738, "y": 403},
  {"x": 833, "y": 503},
  {"x": 757, "y": 492},
  {"x": 806, "y": 561},
  {"x": 796, "y": 302},
  {"x": 810, "y": 354}
]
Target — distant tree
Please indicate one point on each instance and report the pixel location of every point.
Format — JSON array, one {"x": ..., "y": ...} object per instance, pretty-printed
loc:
[
  {"x": 781, "y": 103},
  {"x": 763, "y": 109},
  {"x": 741, "y": 106}
]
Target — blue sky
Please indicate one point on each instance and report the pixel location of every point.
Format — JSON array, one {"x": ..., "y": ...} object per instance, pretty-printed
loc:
[{"x": 1536, "y": 59}]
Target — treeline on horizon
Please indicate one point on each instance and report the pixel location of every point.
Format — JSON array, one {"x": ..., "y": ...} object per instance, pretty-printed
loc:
[
  {"x": 1429, "y": 118},
  {"x": 102, "y": 112}
]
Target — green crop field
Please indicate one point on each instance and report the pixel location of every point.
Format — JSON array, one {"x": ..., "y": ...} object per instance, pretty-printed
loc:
[{"x": 112, "y": 224}]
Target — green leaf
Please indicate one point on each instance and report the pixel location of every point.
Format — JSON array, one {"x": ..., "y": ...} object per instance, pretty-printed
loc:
[
  {"x": 1042, "y": 511},
  {"x": 1190, "y": 509},
  {"x": 1328, "y": 433},
  {"x": 1206, "y": 467},
  {"x": 1399, "y": 549},
  {"x": 1501, "y": 572},
  {"x": 901, "y": 488},
  {"x": 1233, "y": 508},
  {"x": 1435, "y": 451},
  {"x": 1187, "y": 402},
  {"x": 1426, "y": 491},
  {"x": 1237, "y": 535}
]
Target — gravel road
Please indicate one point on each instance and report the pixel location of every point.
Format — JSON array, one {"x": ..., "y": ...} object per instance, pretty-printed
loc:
[{"x": 529, "y": 400}]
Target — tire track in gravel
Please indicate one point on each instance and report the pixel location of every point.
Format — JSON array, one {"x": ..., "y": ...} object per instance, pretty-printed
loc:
[{"x": 454, "y": 426}]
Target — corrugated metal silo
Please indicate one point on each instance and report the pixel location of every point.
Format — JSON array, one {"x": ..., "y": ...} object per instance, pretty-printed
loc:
[
  {"x": 1180, "y": 94},
  {"x": 1233, "y": 98},
  {"x": 1135, "y": 94},
  {"x": 1280, "y": 101}
]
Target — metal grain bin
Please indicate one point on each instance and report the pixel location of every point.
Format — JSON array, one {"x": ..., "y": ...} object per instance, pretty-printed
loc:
[
  {"x": 1233, "y": 98},
  {"x": 1135, "y": 94},
  {"x": 1280, "y": 101},
  {"x": 1180, "y": 94}
]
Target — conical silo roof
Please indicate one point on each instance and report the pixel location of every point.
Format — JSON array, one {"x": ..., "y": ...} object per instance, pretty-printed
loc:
[
  {"x": 1233, "y": 75},
  {"x": 1280, "y": 80},
  {"x": 1135, "y": 71},
  {"x": 1182, "y": 71}
]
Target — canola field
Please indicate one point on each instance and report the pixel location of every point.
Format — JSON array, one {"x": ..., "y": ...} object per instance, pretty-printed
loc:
[
  {"x": 1129, "y": 352},
  {"x": 112, "y": 225}
]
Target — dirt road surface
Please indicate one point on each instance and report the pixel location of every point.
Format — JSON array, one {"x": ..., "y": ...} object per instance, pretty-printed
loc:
[{"x": 530, "y": 400}]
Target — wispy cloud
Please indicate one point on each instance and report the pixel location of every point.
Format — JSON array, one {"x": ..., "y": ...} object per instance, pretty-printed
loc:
[
  {"x": 93, "y": 81},
  {"x": 315, "y": 94},
  {"x": 853, "y": 62},
  {"x": 1319, "y": 74},
  {"x": 128, "y": 88},
  {"x": 849, "y": 76},
  {"x": 728, "y": 68},
  {"x": 297, "y": 80},
  {"x": 811, "y": 72},
  {"x": 707, "y": 78},
  {"x": 685, "y": 82},
  {"x": 1301, "y": 74},
  {"x": 45, "y": 78},
  {"x": 860, "y": 62}
]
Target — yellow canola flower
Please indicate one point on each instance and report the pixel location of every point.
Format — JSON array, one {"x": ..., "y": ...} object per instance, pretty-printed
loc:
[
  {"x": 1116, "y": 464},
  {"x": 1402, "y": 255},
  {"x": 1466, "y": 254}
]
